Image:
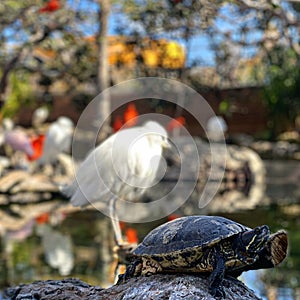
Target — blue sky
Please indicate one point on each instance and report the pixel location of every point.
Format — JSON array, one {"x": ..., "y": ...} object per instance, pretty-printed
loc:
[{"x": 200, "y": 49}]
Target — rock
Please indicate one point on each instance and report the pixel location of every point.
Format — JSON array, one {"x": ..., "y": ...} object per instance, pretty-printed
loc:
[
  {"x": 11, "y": 179},
  {"x": 177, "y": 286},
  {"x": 71, "y": 288},
  {"x": 35, "y": 183},
  {"x": 19, "y": 186},
  {"x": 4, "y": 163},
  {"x": 67, "y": 164},
  {"x": 243, "y": 182},
  {"x": 3, "y": 200},
  {"x": 18, "y": 181},
  {"x": 155, "y": 287}
]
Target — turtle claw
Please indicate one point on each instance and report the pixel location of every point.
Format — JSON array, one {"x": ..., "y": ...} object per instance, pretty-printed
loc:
[
  {"x": 132, "y": 270},
  {"x": 218, "y": 292},
  {"x": 121, "y": 279}
]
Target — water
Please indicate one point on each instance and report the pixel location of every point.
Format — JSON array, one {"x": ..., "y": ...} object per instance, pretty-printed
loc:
[
  {"x": 253, "y": 281},
  {"x": 28, "y": 259}
]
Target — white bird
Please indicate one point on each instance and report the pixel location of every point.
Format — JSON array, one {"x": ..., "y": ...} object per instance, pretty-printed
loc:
[
  {"x": 58, "y": 139},
  {"x": 39, "y": 116},
  {"x": 122, "y": 167},
  {"x": 58, "y": 249},
  {"x": 216, "y": 127}
]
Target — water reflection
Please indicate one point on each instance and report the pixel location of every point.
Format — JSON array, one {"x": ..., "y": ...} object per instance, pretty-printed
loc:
[
  {"x": 25, "y": 254},
  {"x": 58, "y": 250},
  {"x": 254, "y": 280},
  {"x": 43, "y": 250}
]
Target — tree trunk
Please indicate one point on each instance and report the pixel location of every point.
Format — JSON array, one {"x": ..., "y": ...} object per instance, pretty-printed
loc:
[
  {"x": 4, "y": 79},
  {"x": 103, "y": 79},
  {"x": 155, "y": 287}
]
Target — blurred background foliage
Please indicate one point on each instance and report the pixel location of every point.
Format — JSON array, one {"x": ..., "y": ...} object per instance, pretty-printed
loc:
[
  {"x": 282, "y": 89},
  {"x": 20, "y": 93},
  {"x": 59, "y": 46}
]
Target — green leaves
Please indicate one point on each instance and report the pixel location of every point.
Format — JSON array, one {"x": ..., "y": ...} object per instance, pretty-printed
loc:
[
  {"x": 21, "y": 93},
  {"x": 282, "y": 92}
]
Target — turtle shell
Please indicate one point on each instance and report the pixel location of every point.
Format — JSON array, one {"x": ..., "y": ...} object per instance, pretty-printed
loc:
[{"x": 188, "y": 232}]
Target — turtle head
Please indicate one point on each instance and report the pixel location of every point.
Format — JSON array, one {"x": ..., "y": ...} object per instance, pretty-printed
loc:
[{"x": 254, "y": 241}]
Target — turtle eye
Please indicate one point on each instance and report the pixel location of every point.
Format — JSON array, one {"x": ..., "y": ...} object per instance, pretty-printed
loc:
[
  {"x": 247, "y": 238},
  {"x": 257, "y": 230}
]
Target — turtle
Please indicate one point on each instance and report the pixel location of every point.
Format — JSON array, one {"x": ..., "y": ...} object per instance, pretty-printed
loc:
[{"x": 206, "y": 244}]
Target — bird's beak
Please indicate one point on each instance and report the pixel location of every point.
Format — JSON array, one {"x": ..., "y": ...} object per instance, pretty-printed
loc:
[{"x": 165, "y": 143}]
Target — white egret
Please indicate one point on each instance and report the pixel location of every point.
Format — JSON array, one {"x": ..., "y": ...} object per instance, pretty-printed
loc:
[
  {"x": 39, "y": 116},
  {"x": 216, "y": 127},
  {"x": 58, "y": 139},
  {"x": 122, "y": 167},
  {"x": 58, "y": 249}
]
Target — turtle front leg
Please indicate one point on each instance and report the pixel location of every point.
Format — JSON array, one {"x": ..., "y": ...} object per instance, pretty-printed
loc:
[
  {"x": 216, "y": 277},
  {"x": 132, "y": 270},
  {"x": 140, "y": 266}
]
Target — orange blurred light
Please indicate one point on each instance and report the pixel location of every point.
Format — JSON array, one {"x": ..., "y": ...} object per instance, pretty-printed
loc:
[
  {"x": 172, "y": 217},
  {"x": 37, "y": 146},
  {"x": 131, "y": 235},
  {"x": 122, "y": 225},
  {"x": 130, "y": 115},
  {"x": 176, "y": 123},
  {"x": 118, "y": 123},
  {"x": 42, "y": 219},
  {"x": 50, "y": 6}
]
